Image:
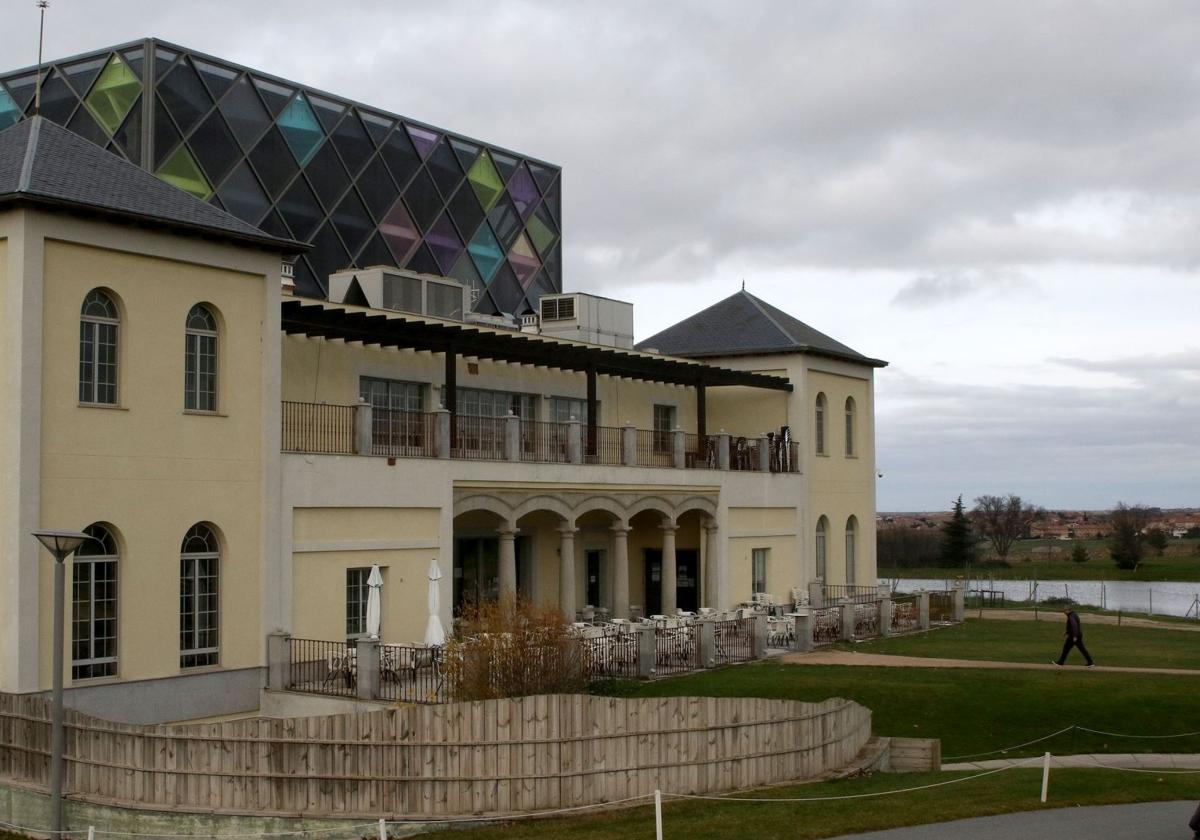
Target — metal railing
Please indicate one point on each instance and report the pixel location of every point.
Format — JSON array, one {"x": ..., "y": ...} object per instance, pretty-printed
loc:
[
  {"x": 785, "y": 456},
  {"x": 941, "y": 607},
  {"x": 743, "y": 454},
  {"x": 319, "y": 428},
  {"x": 827, "y": 625},
  {"x": 905, "y": 614},
  {"x": 409, "y": 434},
  {"x": 322, "y": 667},
  {"x": 604, "y": 447},
  {"x": 850, "y": 592},
  {"x": 545, "y": 443},
  {"x": 611, "y": 656},
  {"x": 701, "y": 452},
  {"x": 411, "y": 674},
  {"x": 866, "y": 620},
  {"x": 478, "y": 438},
  {"x": 676, "y": 650},
  {"x": 655, "y": 448},
  {"x": 733, "y": 640}
]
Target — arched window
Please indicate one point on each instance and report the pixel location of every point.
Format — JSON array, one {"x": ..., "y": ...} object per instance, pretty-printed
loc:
[
  {"x": 821, "y": 550},
  {"x": 819, "y": 424},
  {"x": 98, "y": 322},
  {"x": 850, "y": 426},
  {"x": 851, "y": 528},
  {"x": 199, "y": 606},
  {"x": 94, "y": 605},
  {"x": 200, "y": 360}
]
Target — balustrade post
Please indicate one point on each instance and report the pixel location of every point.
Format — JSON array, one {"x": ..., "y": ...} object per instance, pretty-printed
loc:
[
  {"x": 848, "y": 621},
  {"x": 816, "y": 594},
  {"x": 363, "y": 428},
  {"x": 923, "y": 610},
  {"x": 707, "y": 642},
  {"x": 960, "y": 601},
  {"x": 629, "y": 445},
  {"x": 764, "y": 453},
  {"x": 804, "y": 630},
  {"x": 723, "y": 450},
  {"x": 647, "y": 651},
  {"x": 678, "y": 448},
  {"x": 279, "y": 660},
  {"x": 760, "y": 636},
  {"x": 512, "y": 437},
  {"x": 366, "y": 667},
  {"x": 441, "y": 432},
  {"x": 885, "y": 616},
  {"x": 574, "y": 441}
]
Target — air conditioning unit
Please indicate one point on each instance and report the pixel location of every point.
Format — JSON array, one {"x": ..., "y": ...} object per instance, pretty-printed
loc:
[
  {"x": 381, "y": 287},
  {"x": 590, "y": 318}
]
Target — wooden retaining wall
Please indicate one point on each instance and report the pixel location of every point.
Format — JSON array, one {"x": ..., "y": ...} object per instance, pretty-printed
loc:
[{"x": 492, "y": 756}]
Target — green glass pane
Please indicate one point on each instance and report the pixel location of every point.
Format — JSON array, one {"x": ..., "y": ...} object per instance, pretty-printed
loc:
[
  {"x": 485, "y": 180},
  {"x": 540, "y": 233},
  {"x": 9, "y": 112},
  {"x": 181, "y": 171},
  {"x": 113, "y": 94},
  {"x": 301, "y": 129}
]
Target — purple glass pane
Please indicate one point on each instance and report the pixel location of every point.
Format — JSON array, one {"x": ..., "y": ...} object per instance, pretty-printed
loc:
[
  {"x": 424, "y": 139},
  {"x": 399, "y": 231},
  {"x": 523, "y": 191},
  {"x": 443, "y": 240}
]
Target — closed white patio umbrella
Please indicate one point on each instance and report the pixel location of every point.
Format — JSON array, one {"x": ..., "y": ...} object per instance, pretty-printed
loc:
[
  {"x": 435, "y": 635},
  {"x": 374, "y": 587}
]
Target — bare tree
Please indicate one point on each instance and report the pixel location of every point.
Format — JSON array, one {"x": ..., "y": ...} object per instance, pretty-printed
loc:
[{"x": 1003, "y": 519}]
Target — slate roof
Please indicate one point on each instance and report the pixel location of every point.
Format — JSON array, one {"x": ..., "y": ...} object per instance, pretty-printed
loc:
[
  {"x": 743, "y": 325},
  {"x": 43, "y": 163}
]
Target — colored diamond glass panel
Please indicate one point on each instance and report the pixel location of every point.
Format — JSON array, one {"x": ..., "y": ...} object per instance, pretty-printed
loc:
[
  {"x": 464, "y": 272},
  {"x": 505, "y": 222},
  {"x": 485, "y": 180},
  {"x": 276, "y": 96},
  {"x": 305, "y": 281},
  {"x": 466, "y": 152},
  {"x": 352, "y": 143},
  {"x": 375, "y": 252},
  {"x": 81, "y": 74},
  {"x": 554, "y": 202},
  {"x": 58, "y": 100},
  {"x": 300, "y": 209},
  {"x": 552, "y": 265},
  {"x": 485, "y": 252},
  {"x": 22, "y": 89},
  {"x": 401, "y": 157},
  {"x": 422, "y": 261},
  {"x": 273, "y": 224},
  {"x": 245, "y": 113},
  {"x": 114, "y": 94},
  {"x": 215, "y": 148},
  {"x": 327, "y": 111},
  {"x": 129, "y": 135},
  {"x": 327, "y": 255},
  {"x": 163, "y": 59},
  {"x": 444, "y": 242},
  {"x": 424, "y": 139},
  {"x": 465, "y": 211},
  {"x": 135, "y": 58},
  {"x": 506, "y": 291},
  {"x": 541, "y": 286},
  {"x": 377, "y": 126},
  {"x": 182, "y": 171},
  {"x": 166, "y": 137},
  {"x": 218, "y": 79},
  {"x": 87, "y": 128},
  {"x": 506, "y": 165},
  {"x": 541, "y": 230},
  {"x": 542, "y": 175},
  {"x": 376, "y": 187},
  {"x": 352, "y": 222},
  {"x": 523, "y": 260},
  {"x": 523, "y": 192},
  {"x": 184, "y": 95},
  {"x": 423, "y": 199},
  {"x": 327, "y": 175},
  {"x": 243, "y": 196},
  {"x": 301, "y": 129},
  {"x": 486, "y": 306},
  {"x": 443, "y": 165},
  {"x": 273, "y": 162},
  {"x": 9, "y": 112},
  {"x": 399, "y": 231}
]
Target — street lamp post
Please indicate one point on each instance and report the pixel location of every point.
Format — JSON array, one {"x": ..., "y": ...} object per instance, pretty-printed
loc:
[{"x": 62, "y": 544}]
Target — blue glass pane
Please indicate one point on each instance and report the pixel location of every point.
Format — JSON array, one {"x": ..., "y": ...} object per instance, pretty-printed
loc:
[
  {"x": 486, "y": 253},
  {"x": 301, "y": 129},
  {"x": 9, "y": 112}
]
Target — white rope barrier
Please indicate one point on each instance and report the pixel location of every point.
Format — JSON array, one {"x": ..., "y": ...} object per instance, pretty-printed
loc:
[{"x": 1071, "y": 728}]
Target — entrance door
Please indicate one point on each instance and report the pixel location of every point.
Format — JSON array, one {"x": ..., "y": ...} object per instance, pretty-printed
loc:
[
  {"x": 595, "y": 563},
  {"x": 652, "y": 566},
  {"x": 687, "y": 579}
]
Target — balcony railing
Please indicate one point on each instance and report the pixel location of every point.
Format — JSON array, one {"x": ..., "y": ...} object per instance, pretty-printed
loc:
[{"x": 323, "y": 429}]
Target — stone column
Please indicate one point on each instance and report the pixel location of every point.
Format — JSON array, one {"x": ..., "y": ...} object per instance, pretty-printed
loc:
[
  {"x": 885, "y": 616},
  {"x": 508, "y": 561},
  {"x": 760, "y": 636},
  {"x": 848, "y": 621},
  {"x": 706, "y": 633},
  {"x": 960, "y": 601},
  {"x": 512, "y": 437},
  {"x": 668, "y": 570},
  {"x": 363, "y": 437},
  {"x": 647, "y": 651},
  {"x": 923, "y": 610},
  {"x": 804, "y": 630},
  {"x": 441, "y": 432},
  {"x": 723, "y": 450},
  {"x": 620, "y": 557},
  {"x": 566, "y": 571},
  {"x": 712, "y": 565},
  {"x": 366, "y": 669},
  {"x": 574, "y": 441},
  {"x": 816, "y": 594},
  {"x": 764, "y": 453},
  {"x": 678, "y": 449},
  {"x": 279, "y": 648},
  {"x": 628, "y": 445}
]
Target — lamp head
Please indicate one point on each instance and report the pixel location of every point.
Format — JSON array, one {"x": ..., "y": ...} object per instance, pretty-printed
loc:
[{"x": 61, "y": 544}]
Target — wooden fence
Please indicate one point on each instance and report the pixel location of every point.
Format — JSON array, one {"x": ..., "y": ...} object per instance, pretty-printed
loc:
[{"x": 489, "y": 757}]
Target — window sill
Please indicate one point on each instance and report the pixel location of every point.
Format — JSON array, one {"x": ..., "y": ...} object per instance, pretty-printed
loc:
[
  {"x": 201, "y": 669},
  {"x": 197, "y": 413},
  {"x": 821, "y": 454},
  {"x": 115, "y": 678},
  {"x": 852, "y": 457},
  {"x": 102, "y": 406}
]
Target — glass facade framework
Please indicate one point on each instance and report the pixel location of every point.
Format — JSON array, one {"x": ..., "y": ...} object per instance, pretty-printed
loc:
[{"x": 363, "y": 186}]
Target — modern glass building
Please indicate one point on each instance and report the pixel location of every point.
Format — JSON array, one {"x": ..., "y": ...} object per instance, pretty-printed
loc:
[{"x": 362, "y": 186}]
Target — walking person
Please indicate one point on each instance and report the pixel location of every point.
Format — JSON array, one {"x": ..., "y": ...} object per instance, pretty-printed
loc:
[
  {"x": 1194, "y": 825},
  {"x": 1074, "y": 634}
]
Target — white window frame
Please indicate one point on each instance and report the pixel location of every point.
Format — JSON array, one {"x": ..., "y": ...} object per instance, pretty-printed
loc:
[
  {"x": 191, "y": 654},
  {"x": 850, "y": 429},
  {"x": 822, "y": 548},
  {"x": 93, "y": 666},
  {"x": 819, "y": 425},
  {"x": 201, "y": 344},
  {"x": 97, "y": 332},
  {"x": 357, "y": 593},
  {"x": 758, "y": 570},
  {"x": 851, "y": 550}
]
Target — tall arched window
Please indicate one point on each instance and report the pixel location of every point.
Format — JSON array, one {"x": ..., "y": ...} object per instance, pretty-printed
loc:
[
  {"x": 822, "y": 551},
  {"x": 94, "y": 605},
  {"x": 199, "y": 605},
  {"x": 819, "y": 424},
  {"x": 851, "y": 529},
  {"x": 98, "y": 322},
  {"x": 200, "y": 360},
  {"x": 850, "y": 427}
]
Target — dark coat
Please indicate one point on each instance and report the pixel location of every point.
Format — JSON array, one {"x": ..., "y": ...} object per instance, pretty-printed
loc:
[{"x": 1074, "y": 628}]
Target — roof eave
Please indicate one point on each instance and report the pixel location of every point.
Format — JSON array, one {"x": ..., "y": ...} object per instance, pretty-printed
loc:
[{"x": 775, "y": 351}]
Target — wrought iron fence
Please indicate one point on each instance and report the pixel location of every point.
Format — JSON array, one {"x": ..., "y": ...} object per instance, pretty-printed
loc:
[
  {"x": 743, "y": 454},
  {"x": 545, "y": 443},
  {"x": 733, "y": 640},
  {"x": 866, "y": 620},
  {"x": 411, "y": 674},
  {"x": 827, "y": 625},
  {"x": 319, "y": 428},
  {"x": 479, "y": 438},
  {"x": 316, "y": 666},
  {"x": 654, "y": 448},
  {"x": 785, "y": 455},
  {"x": 850, "y": 592},
  {"x": 700, "y": 452},
  {"x": 603, "y": 446},
  {"x": 611, "y": 656},
  {"x": 905, "y": 614},
  {"x": 941, "y": 607},
  {"x": 676, "y": 650},
  {"x": 410, "y": 434}
]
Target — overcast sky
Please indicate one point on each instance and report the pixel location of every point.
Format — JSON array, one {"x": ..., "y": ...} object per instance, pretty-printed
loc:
[{"x": 1000, "y": 198}]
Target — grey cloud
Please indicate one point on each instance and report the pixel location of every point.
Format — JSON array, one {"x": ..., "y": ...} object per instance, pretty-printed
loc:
[
  {"x": 1185, "y": 361},
  {"x": 949, "y": 286}
]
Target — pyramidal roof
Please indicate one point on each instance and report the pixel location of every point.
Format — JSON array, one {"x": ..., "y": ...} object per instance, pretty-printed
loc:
[
  {"x": 43, "y": 163},
  {"x": 744, "y": 325}
]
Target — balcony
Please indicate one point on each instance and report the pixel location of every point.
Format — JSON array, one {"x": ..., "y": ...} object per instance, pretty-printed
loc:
[{"x": 324, "y": 429}]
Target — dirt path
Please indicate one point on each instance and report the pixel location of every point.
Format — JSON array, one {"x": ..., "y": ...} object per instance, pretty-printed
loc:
[
  {"x": 1088, "y": 618},
  {"x": 877, "y": 660}
]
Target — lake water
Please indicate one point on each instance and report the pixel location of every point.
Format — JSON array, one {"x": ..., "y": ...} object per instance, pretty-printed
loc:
[{"x": 1177, "y": 598}]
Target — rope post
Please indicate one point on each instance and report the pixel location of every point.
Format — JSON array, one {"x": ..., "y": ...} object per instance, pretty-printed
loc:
[
  {"x": 382, "y": 829},
  {"x": 1045, "y": 775},
  {"x": 658, "y": 814}
]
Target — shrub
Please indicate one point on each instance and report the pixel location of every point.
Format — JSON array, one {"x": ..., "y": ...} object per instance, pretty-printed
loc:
[{"x": 1079, "y": 554}]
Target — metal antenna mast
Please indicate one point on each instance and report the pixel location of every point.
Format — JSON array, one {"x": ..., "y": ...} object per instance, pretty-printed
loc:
[{"x": 37, "y": 95}]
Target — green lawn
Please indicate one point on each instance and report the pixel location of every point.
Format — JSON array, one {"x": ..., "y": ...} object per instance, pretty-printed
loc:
[
  {"x": 1012, "y": 790},
  {"x": 1041, "y": 641}
]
